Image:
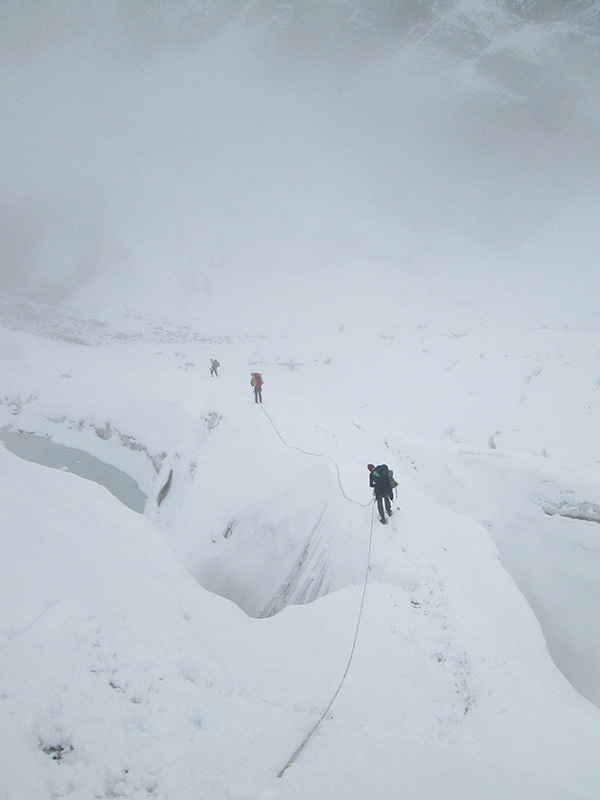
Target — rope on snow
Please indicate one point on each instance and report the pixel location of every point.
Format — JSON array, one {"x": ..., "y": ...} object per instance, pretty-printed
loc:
[
  {"x": 306, "y": 452},
  {"x": 318, "y": 455},
  {"x": 308, "y": 736},
  {"x": 232, "y": 387},
  {"x": 289, "y": 446}
]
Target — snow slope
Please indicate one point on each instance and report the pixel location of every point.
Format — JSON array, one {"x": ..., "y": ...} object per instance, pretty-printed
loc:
[
  {"x": 123, "y": 676},
  {"x": 390, "y": 210}
]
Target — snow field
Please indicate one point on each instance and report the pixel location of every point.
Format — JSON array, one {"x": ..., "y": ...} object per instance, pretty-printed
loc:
[{"x": 146, "y": 685}]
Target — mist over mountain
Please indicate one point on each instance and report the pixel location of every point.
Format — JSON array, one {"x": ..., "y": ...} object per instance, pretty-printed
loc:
[
  {"x": 390, "y": 210},
  {"x": 199, "y": 153}
]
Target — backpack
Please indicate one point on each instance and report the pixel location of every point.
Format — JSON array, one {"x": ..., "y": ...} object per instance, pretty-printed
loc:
[
  {"x": 386, "y": 475},
  {"x": 256, "y": 379}
]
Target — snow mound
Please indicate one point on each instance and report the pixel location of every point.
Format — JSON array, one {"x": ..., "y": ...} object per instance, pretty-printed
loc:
[{"x": 121, "y": 676}]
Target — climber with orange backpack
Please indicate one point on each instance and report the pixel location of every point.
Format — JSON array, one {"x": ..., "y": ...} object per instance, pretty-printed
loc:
[{"x": 256, "y": 381}]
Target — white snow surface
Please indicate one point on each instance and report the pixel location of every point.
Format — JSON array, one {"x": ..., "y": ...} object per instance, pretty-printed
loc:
[
  {"x": 391, "y": 211},
  {"x": 187, "y": 652}
]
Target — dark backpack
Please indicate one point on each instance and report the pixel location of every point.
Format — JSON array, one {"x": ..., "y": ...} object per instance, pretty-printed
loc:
[{"x": 386, "y": 478}]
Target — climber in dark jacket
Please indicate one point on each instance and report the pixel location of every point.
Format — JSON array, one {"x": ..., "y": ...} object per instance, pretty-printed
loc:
[{"x": 380, "y": 480}]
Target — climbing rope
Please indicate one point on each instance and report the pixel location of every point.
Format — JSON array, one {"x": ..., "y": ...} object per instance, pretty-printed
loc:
[
  {"x": 317, "y": 455},
  {"x": 350, "y": 500},
  {"x": 308, "y": 736},
  {"x": 232, "y": 387},
  {"x": 289, "y": 446}
]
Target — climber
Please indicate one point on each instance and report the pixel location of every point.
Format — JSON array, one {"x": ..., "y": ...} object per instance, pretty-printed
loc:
[
  {"x": 382, "y": 480},
  {"x": 256, "y": 381},
  {"x": 214, "y": 366}
]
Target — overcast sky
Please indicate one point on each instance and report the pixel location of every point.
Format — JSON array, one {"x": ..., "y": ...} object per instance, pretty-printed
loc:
[{"x": 150, "y": 139}]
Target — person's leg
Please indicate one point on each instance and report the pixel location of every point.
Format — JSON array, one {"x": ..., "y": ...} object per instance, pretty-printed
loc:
[
  {"x": 380, "y": 507},
  {"x": 388, "y": 505}
]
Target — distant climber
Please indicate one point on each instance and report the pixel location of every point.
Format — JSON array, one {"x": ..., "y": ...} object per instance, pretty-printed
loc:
[
  {"x": 256, "y": 381},
  {"x": 382, "y": 480},
  {"x": 214, "y": 366}
]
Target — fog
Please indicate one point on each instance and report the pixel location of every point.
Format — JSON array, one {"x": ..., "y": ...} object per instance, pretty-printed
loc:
[{"x": 200, "y": 154}]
